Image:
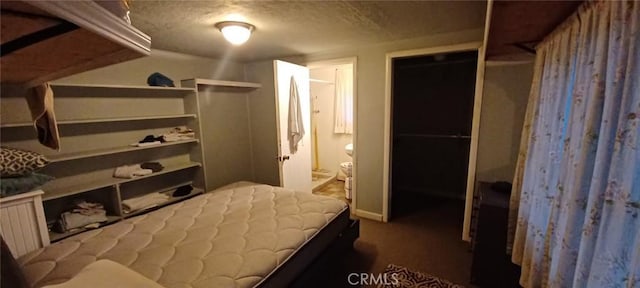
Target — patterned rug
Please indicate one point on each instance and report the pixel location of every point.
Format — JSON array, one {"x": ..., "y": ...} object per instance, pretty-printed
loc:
[{"x": 412, "y": 279}]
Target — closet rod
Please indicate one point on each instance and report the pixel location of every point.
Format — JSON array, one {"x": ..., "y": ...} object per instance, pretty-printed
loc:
[{"x": 434, "y": 136}]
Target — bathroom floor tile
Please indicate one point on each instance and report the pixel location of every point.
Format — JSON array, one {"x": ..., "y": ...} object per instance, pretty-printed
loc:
[{"x": 334, "y": 189}]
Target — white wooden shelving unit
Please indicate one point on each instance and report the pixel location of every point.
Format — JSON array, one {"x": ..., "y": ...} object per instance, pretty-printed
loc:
[
  {"x": 115, "y": 150},
  {"x": 219, "y": 83},
  {"x": 171, "y": 200},
  {"x": 55, "y": 236},
  {"x": 98, "y": 124},
  {"x": 63, "y": 191},
  {"x": 103, "y": 120},
  {"x": 100, "y": 90}
]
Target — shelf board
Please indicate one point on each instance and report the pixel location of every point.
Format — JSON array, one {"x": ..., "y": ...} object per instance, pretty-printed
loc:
[
  {"x": 100, "y": 90},
  {"x": 103, "y": 120},
  {"x": 63, "y": 191},
  {"x": 54, "y": 236},
  {"x": 194, "y": 192},
  {"x": 109, "y": 151},
  {"x": 219, "y": 83}
]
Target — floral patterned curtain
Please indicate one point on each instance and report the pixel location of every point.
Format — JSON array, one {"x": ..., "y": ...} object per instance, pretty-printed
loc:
[{"x": 576, "y": 197}]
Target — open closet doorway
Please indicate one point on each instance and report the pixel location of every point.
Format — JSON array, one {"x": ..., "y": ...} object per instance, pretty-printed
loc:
[
  {"x": 431, "y": 131},
  {"x": 333, "y": 127}
]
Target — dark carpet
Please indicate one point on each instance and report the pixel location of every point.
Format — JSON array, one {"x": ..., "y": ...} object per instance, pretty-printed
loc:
[{"x": 424, "y": 235}]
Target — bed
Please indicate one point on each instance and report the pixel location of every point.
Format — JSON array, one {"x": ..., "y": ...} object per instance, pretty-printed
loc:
[{"x": 243, "y": 235}]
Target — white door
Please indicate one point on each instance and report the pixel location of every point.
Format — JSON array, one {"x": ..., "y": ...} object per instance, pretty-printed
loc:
[{"x": 295, "y": 168}]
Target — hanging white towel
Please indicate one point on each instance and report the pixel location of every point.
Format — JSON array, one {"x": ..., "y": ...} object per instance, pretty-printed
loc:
[
  {"x": 145, "y": 201},
  {"x": 131, "y": 171},
  {"x": 295, "y": 129}
]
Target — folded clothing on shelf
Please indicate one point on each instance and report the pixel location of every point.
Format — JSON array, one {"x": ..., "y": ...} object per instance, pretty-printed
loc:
[
  {"x": 83, "y": 214},
  {"x": 143, "y": 202},
  {"x": 145, "y": 144},
  {"x": 181, "y": 130},
  {"x": 178, "y": 134},
  {"x": 182, "y": 191},
  {"x": 72, "y": 220},
  {"x": 131, "y": 171},
  {"x": 173, "y": 137},
  {"x": 153, "y": 166},
  {"x": 151, "y": 138},
  {"x": 87, "y": 208}
]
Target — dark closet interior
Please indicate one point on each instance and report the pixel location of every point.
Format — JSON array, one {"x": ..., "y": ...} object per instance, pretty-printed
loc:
[{"x": 432, "y": 110}]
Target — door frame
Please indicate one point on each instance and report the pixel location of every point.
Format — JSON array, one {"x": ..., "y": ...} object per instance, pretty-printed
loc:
[
  {"x": 354, "y": 62},
  {"x": 388, "y": 143}
]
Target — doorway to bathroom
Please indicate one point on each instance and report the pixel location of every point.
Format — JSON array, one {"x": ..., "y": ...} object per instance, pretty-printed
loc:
[{"x": 333, "y": 98}]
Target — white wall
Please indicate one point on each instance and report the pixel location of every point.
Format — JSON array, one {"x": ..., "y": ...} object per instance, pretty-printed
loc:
[
  {"x": 506, "y": 92},
  {"x": 330, "y": 145},
  {"x": 176, "y": 66},
  {"x": 263, "y": 123},
  {"x": 370, "y": 106}
]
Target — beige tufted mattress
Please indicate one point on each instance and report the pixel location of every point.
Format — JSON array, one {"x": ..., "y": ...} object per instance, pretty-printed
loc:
[{"x": 235, "y": 237}]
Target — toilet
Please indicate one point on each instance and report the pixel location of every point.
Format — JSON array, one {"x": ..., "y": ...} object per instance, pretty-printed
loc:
[{"x": 347, "y": 169}]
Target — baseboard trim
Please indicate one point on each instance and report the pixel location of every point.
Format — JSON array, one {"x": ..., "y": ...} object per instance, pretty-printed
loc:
[{"x": 369, "y": 215}]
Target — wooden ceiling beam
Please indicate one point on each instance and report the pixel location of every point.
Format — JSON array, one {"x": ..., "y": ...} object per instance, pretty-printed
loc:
[
  {"x": 32, "y": 38},
  {"x": 524, "y": 22}
]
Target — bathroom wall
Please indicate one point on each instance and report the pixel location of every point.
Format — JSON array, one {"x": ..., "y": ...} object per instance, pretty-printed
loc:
[{"x": 330, "y": 145}]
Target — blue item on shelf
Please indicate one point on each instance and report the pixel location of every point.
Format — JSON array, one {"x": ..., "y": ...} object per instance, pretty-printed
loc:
[{"x": 157, "y": 79}]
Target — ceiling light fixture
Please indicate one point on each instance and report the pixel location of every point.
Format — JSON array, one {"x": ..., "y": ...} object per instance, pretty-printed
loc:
[{"x": 235, "y": 32}]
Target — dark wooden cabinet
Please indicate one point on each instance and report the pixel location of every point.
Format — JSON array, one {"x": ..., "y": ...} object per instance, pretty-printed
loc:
[{"x": 491, "y": 266}]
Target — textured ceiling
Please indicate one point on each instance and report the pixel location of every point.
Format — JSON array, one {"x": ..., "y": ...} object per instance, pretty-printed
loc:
[{"x": 298, "y": 27}]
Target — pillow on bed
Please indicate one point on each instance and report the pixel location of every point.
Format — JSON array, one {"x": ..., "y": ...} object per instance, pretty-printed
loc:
[
  {"x": 17, "y": 185},
  {"x": 16, "y": 162}
]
